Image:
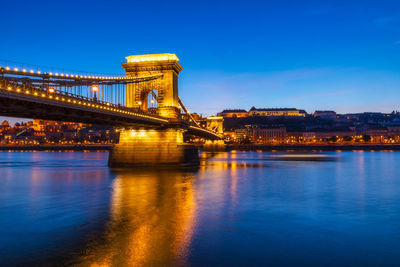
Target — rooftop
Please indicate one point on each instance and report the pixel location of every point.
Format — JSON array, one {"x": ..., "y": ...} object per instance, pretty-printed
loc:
[
  {"x": 276, "y": 109},
  {"x": 234, "y": 111}
]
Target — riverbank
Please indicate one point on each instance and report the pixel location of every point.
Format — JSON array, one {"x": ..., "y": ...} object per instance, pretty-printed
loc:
[
  {"x": 247, "y": 147},
  {"x": 327, "y": 147},
  {"x": 56, "y": 147}
]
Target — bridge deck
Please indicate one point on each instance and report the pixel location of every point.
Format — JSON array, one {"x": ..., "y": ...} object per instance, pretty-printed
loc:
[{"x": 61, "y": 106}]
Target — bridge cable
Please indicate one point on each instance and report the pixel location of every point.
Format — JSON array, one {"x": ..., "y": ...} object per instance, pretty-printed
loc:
[{"x": 187, "y": 112}]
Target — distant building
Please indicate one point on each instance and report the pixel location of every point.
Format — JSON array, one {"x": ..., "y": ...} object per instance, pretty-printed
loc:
[
  {"x": 301, "y": 136},
  {"x": 277, "y": 112},
  {"x": 5, "y": 124},
  {"x": 269, "y": 135},
  {"x": 393, "y": 131},
  {"x": 242, "y": 134},
  {"x": 373, "y": 130},
  {"x": 55, "y": 126},
  {"x": 325, "y": 114},
  {"x": 233, "y": 113}
]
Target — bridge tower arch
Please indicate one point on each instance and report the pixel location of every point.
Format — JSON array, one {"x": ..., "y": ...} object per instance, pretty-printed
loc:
[
  {"x": 166, "y": 86},
  {"x": 159, "y": 146}
]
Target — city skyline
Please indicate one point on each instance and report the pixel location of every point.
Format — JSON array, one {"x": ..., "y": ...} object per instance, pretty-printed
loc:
[{"x": 312, "y": 56}]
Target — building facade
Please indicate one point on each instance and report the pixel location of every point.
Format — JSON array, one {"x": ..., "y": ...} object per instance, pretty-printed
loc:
[
  {"x": 268, "y": 135},
  {"x": 277, "y": 112},
  {"x": 233, "y": 113}
]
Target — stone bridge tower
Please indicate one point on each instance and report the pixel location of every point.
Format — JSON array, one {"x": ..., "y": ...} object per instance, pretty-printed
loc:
[
  {"x": 166, "y": 87},
  {"x": 139, "y": 146}
]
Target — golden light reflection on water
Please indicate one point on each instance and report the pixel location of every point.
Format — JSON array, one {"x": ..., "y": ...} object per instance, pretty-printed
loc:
[
  {"x": 153, "y": 213},
  {"x": 152, "y": 221}
]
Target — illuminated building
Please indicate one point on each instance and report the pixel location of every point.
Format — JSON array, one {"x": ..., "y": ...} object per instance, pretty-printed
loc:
[
  {"x": 5, "y": 124},
  {"x": 233, "y": 113},
  {"x": 269, "y": 134},
  {"x": 277, "y": 112},
  {"x": 242, "y": 134}
]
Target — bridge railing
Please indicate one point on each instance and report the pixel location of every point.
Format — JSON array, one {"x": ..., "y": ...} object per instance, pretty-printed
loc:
[
  {"x": 40, "y": 69},
  {"x": 105, "y": 87},
  {"x": 12, "y": 87},
  {"x": 108, "y": 90}
]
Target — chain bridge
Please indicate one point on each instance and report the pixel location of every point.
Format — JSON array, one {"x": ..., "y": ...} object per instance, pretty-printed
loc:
[{"x": 143, "y": 105}]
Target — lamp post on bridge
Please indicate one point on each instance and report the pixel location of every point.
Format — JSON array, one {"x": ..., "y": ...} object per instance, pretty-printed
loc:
[{"x": 95, "y": 88}]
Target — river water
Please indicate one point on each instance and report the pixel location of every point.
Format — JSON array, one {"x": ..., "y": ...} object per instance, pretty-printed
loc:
[{"x": 237, "y": 209}]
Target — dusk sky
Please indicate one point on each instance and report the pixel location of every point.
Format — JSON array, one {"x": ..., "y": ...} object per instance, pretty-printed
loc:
[{"x": 312, "y": 55}]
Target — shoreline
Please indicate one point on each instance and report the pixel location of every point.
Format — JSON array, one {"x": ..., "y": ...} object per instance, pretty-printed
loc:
[
  {"x": 228, "y": 148},
  {"x": 55, "y": 147},
  {"x": 327, "y": 147}
]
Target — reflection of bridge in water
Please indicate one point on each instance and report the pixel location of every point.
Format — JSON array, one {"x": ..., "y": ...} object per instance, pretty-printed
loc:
[
  {"x": 152, "y": 221},
  {"x": 143, "y": 105}
]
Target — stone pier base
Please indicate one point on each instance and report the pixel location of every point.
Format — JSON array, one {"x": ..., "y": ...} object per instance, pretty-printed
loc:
[
  {"x": 214, "y": 145},
  {"x": 152, "y": 147}
]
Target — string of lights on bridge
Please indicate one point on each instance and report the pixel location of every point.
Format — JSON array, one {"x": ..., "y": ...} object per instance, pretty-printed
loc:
[
  {"x": 53, "y": 95},
  {"x": 52, "y": 87},
  {"x": 66, "y": 75},
  {"x": 109, "y": 88},
  {"x": 18, "y": 67}
]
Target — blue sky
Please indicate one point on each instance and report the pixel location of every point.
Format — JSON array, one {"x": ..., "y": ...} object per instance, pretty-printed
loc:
[{"x": 340, "y": 55}]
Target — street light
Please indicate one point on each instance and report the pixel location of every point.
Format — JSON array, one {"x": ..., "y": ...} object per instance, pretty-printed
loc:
[
  {"x": 95, "y": 88},
  {"x": 51, "y": 90}
]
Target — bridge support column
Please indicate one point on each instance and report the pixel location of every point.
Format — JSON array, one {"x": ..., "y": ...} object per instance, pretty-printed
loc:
[
  {"x": 152, "y": 147},
  {"x": 214, "y": 145}
]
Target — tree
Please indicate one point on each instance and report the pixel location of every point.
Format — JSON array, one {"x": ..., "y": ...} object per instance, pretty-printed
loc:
[{"x": 366, "y": 138}]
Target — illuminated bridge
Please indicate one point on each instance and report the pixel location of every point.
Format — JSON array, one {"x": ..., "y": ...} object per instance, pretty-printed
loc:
[{"x": 143, "y": 105}]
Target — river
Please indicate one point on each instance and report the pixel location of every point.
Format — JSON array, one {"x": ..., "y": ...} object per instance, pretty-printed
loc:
[{"x": 236, "y": 209}]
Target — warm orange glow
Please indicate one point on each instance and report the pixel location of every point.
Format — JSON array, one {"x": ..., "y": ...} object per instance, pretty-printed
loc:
[
  {"x": 51, "y": 90},
  {"x": 136, "y": 237},
  {"x": 152, "y": 57}
]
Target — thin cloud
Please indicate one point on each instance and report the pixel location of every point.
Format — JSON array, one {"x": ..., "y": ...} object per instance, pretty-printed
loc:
[{"x": 324, "y": 94}]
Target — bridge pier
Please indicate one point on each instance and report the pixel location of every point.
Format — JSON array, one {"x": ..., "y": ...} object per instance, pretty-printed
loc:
[
  {"x": 214, "y": 145},
  {"x": 152, "y": 147}
]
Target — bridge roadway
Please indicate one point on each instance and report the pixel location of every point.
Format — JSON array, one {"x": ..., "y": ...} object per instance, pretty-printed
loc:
[{"x": 62, "y": 106}]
